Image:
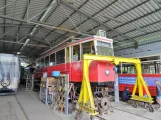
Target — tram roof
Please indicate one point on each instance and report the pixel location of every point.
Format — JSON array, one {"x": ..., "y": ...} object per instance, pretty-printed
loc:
[{"x": 77, "y": 42}]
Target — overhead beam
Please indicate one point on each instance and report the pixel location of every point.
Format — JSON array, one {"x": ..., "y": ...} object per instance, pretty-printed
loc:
[
  {"x": 69, "y": 16},
  {"x": 15, "y": 25},
  {"x": 13, "y": 38},
  {"x": 122, "y": 14},
  {"x": 41, "y": 19},
  {"x": 86, "y": 1},
  {"x": 93, "y": 19},
  {"x": 5, "y": 41},
  {"x": 132, "y": 43},
  {"x": 144, "y": 26},
  {"x": 42, "y": 24},
  {"x": 25, "y": 13},
  {"x": 143, "y": 34},
  {"x": 92, "y": 16},
  {"x": 139, "y": 45},
  {"x": 145, "y": 15},
  {"x": 89, "y": 17},
  {"x": 4, "y": 28}
]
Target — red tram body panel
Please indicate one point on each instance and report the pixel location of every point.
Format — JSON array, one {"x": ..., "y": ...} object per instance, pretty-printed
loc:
[
  {"x": 97, "y": 71},
  {"x": 128, "y": 80}
]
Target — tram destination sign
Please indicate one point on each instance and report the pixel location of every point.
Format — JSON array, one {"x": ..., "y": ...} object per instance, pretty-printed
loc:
[{"x": 103, "y": 44}]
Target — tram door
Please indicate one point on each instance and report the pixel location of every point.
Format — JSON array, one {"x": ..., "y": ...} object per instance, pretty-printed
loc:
[
  {"x": 77, "y": 52},
  {"x": 75, "y": 66}
]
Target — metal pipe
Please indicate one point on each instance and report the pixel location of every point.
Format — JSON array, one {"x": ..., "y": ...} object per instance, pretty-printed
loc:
[
  {"x": 23, "y": 43},
  {"x": 43, "y": 25},
  {"x": 7, "y": 4}
]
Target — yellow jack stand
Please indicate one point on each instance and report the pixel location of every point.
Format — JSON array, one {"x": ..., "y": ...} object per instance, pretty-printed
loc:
[
  {"x": 140, "y": 84},
  {"x": 86, "y": 100}
]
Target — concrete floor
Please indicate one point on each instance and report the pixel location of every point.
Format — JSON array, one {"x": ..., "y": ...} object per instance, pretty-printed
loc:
[{"x": 26, "y": 106}]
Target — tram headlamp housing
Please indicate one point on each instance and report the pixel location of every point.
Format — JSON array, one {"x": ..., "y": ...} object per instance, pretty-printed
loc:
[{"x": 107, "y": 72}]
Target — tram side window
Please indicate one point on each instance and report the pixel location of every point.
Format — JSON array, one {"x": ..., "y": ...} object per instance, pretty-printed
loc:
[
  {"x": 47, "y": 61},
  {"x": 38, "y": 63},
  {"x": 88, "y": 48},
  {"x": 152, "y": 69},
  {"x": 52, "y": 59},
  {"x": 76, "y": 53},
  {"x": 42, "y": 62},
  {"x": 67, "y": 55},
  {"x": 60, "y": 56},
  {"x": 128, "y": 69}
]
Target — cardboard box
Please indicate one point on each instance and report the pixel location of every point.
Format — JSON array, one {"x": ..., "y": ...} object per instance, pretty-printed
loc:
[{"x": 49, "y": 81}]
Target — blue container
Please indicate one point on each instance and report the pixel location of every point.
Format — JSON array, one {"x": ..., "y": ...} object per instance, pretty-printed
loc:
[{"x": 55, "y": 73}]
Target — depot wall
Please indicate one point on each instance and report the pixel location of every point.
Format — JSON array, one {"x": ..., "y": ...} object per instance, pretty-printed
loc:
[{"x": 141, "y": 51}]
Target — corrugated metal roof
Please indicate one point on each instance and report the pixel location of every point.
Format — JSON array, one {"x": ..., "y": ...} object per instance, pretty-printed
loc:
[{"x": 125, "y": 21}]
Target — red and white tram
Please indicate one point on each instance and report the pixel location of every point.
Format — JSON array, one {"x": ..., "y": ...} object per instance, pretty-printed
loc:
[{"x": 68, "y": 60}]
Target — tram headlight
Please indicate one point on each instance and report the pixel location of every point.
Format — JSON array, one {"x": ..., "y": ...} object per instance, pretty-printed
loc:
[{"x": 107, "y": 72}]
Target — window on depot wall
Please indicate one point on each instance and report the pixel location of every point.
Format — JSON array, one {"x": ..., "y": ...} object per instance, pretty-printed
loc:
[
  {"x": 52, "y": 59},
  {"x": 60, "y": 56},
  {"x": 47, "y": 61}
]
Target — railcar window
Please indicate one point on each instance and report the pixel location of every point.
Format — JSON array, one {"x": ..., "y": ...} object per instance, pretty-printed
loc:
[
  {"x": 76, "y": 53},
  {"x": 88, "y": 48},
  {"x": 152, "y": 69},
  {"x": 67, "y": 55},
  {"x": 42, "y": 62},
  {"x": 52, "y": 59},
  {"x": 104, "y": 48},
  {"x": 60, "y": 56},
  {"x": 47, "y": 61},
  {"x": 145, "y": 68},
  {"x": 38, "y": 63},
  {"x": 127, "y": 69}
]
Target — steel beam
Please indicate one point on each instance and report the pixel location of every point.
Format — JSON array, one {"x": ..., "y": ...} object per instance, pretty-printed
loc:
[
  {"x": 89, "y": 17},
  {"x": 141, "y": 35},
  {"x": 7, "y": 4},
  {"x": 4, "y": 28},
  {"x": 68, "y": 18},
  {"x": 43, "y": 25},
  {"x": 22, "y": 38},
  {"x": 122, "y": 13},
  {"x": 5, "y": 41},
  {"x": 15, "y": 25},
  {"x": 25, "y": 13},
  {"x": 73, "y": 12},
  {"x": 45, "y": 38},
  {"x": 153, "y": 23},
  {"x": 157, "y": 10}
]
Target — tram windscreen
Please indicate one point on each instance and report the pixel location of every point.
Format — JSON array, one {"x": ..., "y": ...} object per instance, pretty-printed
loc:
[
  {"x": 104, "y": 48},
  {"x": 9, "y": 67}
]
